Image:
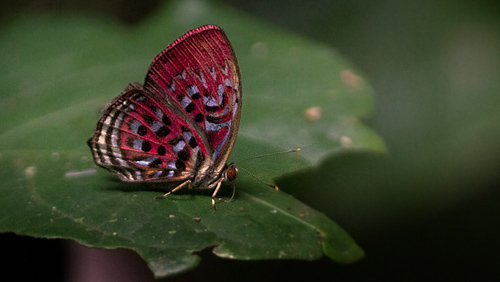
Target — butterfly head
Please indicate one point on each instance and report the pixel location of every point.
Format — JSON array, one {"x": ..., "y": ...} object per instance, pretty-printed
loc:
[{"x": 231, "y": 172}]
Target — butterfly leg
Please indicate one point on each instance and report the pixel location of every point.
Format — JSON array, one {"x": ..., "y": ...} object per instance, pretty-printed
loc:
[
  {"x": 178, "y": 187},
  {"x": 215, "y": 194}
]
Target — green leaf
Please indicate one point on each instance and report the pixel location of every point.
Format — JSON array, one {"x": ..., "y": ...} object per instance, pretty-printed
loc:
[{"x": 63, "y": 70}]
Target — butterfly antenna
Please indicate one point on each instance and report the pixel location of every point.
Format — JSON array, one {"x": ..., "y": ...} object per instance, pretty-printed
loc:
[
  {"x": 271, "y": 154},
  {"x": 275, "y": 187}
]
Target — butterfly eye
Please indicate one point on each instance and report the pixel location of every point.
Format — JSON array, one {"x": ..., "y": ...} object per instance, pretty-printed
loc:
[{"x": 231, "y": 172}]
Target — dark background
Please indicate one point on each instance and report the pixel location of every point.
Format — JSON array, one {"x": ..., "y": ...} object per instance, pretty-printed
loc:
[{"x": 432, "y": 211}]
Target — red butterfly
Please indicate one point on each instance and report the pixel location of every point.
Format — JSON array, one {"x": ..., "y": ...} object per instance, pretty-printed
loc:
[{"x": 181, "y": 124}]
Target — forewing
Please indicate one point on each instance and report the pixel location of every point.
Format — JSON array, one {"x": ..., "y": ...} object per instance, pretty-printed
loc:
[
  {"x": 199, "y": 74},
  {"x": 141, "y": 139}
]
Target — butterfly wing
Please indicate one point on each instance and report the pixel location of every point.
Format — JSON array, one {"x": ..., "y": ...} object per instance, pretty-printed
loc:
[
  {"x": 182, "y": 121},
  {"x": 141, "y": 139},
  {"x": 199, "y": 74}
]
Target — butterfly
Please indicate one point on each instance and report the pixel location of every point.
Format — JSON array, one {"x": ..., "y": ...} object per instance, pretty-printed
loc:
[{"x": 181, "y": 124}]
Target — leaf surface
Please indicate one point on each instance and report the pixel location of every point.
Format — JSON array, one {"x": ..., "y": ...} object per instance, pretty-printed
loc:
[{"x": 64, "y": 70}]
